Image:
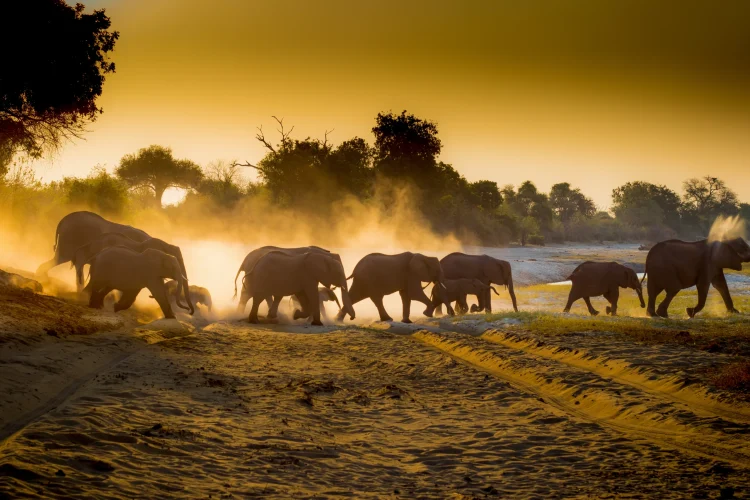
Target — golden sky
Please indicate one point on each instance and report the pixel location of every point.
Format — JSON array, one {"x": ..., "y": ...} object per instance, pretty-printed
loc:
[{"x": 590, "y": 92}]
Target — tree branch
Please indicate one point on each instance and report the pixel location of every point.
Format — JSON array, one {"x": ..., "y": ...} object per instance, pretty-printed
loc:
[
  {"x": 284, "y": 135},
  {"x": 247, "y": 164},
  {"x": 262, "y": 139}
]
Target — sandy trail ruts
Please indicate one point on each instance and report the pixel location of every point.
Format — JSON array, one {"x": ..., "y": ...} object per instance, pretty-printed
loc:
[{"x": 246, "y": 412}]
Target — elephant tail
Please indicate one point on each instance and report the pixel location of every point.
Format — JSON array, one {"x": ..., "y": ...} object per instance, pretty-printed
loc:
[
  {"x": 235, "y": 282},
  {"x": 349, "y": 277},
  {"x": 644, "y": 277}
]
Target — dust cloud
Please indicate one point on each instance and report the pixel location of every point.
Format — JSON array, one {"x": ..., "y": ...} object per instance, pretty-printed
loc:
[
  {"x": 727, "y": 228},
  {"x": 214, "y": 240}
]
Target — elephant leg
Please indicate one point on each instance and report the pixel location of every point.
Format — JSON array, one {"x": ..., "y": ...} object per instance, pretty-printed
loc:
[
  {"x": 406, "y": 302},
  {"x": 253, "y": 318},
  {"x": 613, "y": 296},
  {"x": 378, "y": 301},
  {"x": 572, "y": 297},
  {"x": 304, "y": 303},
  {"x": 127, "y": 299},
  {"x": 273, "y": 310},
  {"x": 702, "y": 295},
  {"x": 663, "y": 309},
  {"x": 270, "y": 300},
  {"x": 244, "y": 298},
  {"x": 592, "y": 311},
  {"x": 96, "y": 300},
  {"x": 720, "y": 284},
  {"x": 653, "y": 292},
  {"x": 415, "y": 292},
  {"x": 159, "y": 292},
  {"x": 79, "y": 277},
  {"x": 450, "y": 310}
]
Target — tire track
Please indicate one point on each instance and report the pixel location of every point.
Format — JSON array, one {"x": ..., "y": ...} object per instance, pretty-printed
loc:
[
  {"x": 591, "y": 397},
  {"x": 623, "y": 372}
]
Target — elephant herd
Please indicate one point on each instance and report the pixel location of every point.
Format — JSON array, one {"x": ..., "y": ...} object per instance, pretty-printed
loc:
[{"x": 127, "y": 259}]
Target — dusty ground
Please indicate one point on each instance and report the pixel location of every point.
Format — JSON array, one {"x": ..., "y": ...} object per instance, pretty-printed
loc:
[{"x": 526, "y": 405}]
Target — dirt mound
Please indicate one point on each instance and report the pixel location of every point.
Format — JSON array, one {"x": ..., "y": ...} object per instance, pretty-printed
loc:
[
  {"x": 16, "y": 280},
  {"x": 25, "y": 315}
]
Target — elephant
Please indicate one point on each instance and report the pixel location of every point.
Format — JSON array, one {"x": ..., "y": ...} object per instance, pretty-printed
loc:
[
  {"x": 592, "y": 279},
  {"x": 79, "y": 228},
  {"x": 456, "y": 291},
  {"x": 488, "y": 270},
  {"x": 86, "y": 252},
  {"x": 673, "y": 265},
  {"x": 280, "y": 273},
  {"x": 324, "y": 295},
  {"x": 197, "y": 294},
  {"x": 119, "y": 268},
  {"x": 253, "y": 257},
  {"x": 377, "y": 275}
]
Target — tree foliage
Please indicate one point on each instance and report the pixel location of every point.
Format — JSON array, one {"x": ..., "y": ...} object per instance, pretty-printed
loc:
[
  {"x": 406, "y": 147},
  {"x": 156, "y": 169},
  {"x": 99, "y": 191},
  {"x": 54, "y": 62},
  {"x": 568, "y": 202},
  {"x": 705, "y": 199},
  {"x": 643, "y": 204}
]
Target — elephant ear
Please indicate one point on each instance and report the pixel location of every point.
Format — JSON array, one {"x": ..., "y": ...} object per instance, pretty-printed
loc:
[
  {"x": 318, "y": 265},
  {"x": 741, "y": 247},
  {"x": 419, "y": 268}
]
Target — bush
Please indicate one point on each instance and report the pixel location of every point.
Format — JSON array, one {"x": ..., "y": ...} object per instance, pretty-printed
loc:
[
  {"x": 536, "y": 239},
  {"x": 100, "y": 191}
]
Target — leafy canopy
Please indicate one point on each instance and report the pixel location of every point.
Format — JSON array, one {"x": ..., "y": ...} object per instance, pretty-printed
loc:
[
  {"x": 52, "y": 69},
  {"x": 156, "y": 169}
]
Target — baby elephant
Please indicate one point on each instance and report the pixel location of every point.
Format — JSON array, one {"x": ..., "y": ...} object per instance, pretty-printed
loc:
[
  {"x": 456, "y": 291},
  {"x": 592, "y": 279},
  {"x": 198, "y": 294},
  {"x": 324, "y": 295}
]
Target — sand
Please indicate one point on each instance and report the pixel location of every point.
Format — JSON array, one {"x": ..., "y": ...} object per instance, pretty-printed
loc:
[{"x": 133, "y": 408}]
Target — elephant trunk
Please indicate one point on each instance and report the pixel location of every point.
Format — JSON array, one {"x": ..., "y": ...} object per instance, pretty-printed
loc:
[
  {"x": 639, "y": 291},
  {"x": 348, "y": 307},
  {"x": 184, "y": 283},
  {"x": 511, "y": 292}
]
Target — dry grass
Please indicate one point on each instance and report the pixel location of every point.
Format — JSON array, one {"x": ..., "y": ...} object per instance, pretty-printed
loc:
[{"x": 733, "y": 377}]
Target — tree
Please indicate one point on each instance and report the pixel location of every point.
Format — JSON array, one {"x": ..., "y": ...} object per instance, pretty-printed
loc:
[
  {"x": 707, "y": 198},
  {"x": 567, "y": 202},
  {"x": 643, "y": 204},
  {"x": 350, "y": 166},
  {"x": 54, "y": 63},
  {"x": 406, "y": 147},
  {"x": 221, "y": 183},
  {"x": 486, "y": 195},
  {"x": 155, "y": 169},
  {"x": 100, "y": 191}
]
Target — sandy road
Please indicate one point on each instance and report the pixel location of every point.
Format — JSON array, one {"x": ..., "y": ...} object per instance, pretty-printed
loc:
[{"x": 236, "y": 411}]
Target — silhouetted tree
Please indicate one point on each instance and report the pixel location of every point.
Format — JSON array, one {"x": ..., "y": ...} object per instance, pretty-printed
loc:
[
  {"x": 486, "y": 195},
  {"x": 350, "y": 166},
  {"x": 54, "y": 59},
  {"x": 222, "y": 184},
  {"x": 100, "y": 191},
  {"x": 156, "y": 169},
  {"x": 643, "y": 204},
  {"x": 406, "y": 147},
  {"x": 567, "y": 202},
  {"x": 705, "y": 199}
]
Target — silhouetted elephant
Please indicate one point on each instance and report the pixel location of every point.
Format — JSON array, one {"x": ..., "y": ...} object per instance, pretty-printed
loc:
[
  {"x": 280, "y": 274},
  {"x": 85, "y": 253},
  {"x": 378, "y": 275},
  {"x": 119, "y": 268},
  {"x": 456, "y": 291},
  {"x": 592, "y": 279},
  {"x": 197, "y": 294},
  {"x": 486, "y": 269},
  {"x": 324, "y": 295},
  {"x": 674, "y": 265},
  {"x": 253, "y": 257},
  {"x": 79, "y": 228}
]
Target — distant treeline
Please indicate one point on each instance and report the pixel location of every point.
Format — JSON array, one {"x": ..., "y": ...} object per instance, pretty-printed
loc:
[{"x": 312, "y": 176}]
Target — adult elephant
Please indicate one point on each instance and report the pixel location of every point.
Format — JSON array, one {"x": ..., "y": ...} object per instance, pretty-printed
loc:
[
  {"x": 84, "y": 254},
  {"x": 488, "y": 270},
  {"x": 592, "y": 279},
  {"x": 378, "y": 275},
  {"x": 281, "y": 274},
  {"x": 80, "y": 228},
  {"x": 252, "y": 259},
  {"x": 674, "y": 265},
  {"x": 119, "y": 268}
]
